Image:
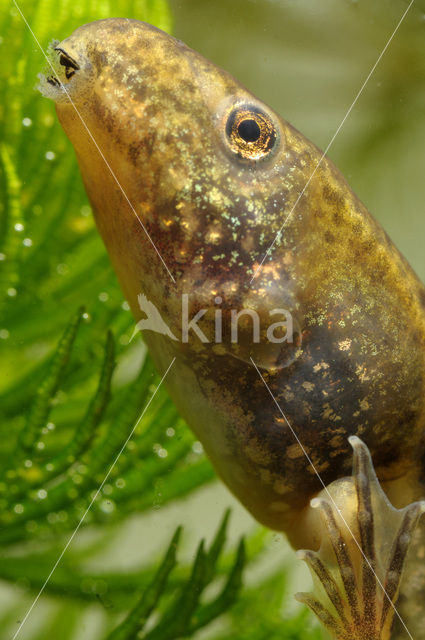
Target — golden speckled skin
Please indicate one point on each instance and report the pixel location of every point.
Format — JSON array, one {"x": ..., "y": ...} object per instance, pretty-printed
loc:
[{"x": 158, "y": 112}]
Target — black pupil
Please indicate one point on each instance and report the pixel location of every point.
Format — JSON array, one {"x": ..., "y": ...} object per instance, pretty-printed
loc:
[{"x": 249, "y": 130}]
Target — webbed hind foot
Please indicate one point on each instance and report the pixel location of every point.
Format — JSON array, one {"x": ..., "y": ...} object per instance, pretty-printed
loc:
[{"x": 358, "y": 568}]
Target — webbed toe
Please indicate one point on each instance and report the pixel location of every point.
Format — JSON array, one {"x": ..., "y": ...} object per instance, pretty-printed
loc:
[{"x": 357, "y": 570}]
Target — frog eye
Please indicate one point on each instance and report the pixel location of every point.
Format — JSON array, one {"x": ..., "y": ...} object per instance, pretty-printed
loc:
[
  {"x": 250, "y": 132},
  {"x": 66, "y": 61}
]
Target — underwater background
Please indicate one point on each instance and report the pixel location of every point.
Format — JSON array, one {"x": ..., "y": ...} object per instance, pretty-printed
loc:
[{"x": 72, "y": 385}]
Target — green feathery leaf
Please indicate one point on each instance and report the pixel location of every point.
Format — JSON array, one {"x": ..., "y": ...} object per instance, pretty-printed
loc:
[{"x": 139, "y": 615}]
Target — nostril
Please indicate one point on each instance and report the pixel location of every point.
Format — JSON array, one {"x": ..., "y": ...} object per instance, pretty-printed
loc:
[
  {"x": 53, "y": 81},
  {"x": 66, "y": 61}
]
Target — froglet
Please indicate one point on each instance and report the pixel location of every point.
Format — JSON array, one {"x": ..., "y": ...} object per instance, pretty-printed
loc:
[{"x": 305, "y": 327}]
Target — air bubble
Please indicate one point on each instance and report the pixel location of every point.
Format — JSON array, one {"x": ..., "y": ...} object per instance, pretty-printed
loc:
[
  {"x": 160, "y": 451},
  {"x": 197, "y": 447},
  {"x": 85, "y": 210},
  {"x": 62, "y": 269},
  {"x": 107, "y": 506}
]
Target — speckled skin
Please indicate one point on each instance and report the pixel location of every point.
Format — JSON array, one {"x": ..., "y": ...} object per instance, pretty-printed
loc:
[{"x": 158, "y": 111}]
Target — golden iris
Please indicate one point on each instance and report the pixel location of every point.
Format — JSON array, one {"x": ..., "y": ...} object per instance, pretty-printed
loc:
[{"x": 251, "y": 133}]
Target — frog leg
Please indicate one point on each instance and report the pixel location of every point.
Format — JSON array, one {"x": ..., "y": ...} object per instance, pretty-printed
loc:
[{"x": 364, "y": 542}]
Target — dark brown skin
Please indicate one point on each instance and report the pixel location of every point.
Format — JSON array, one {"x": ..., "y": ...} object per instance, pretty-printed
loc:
[{"x": 166, "y": 120}]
